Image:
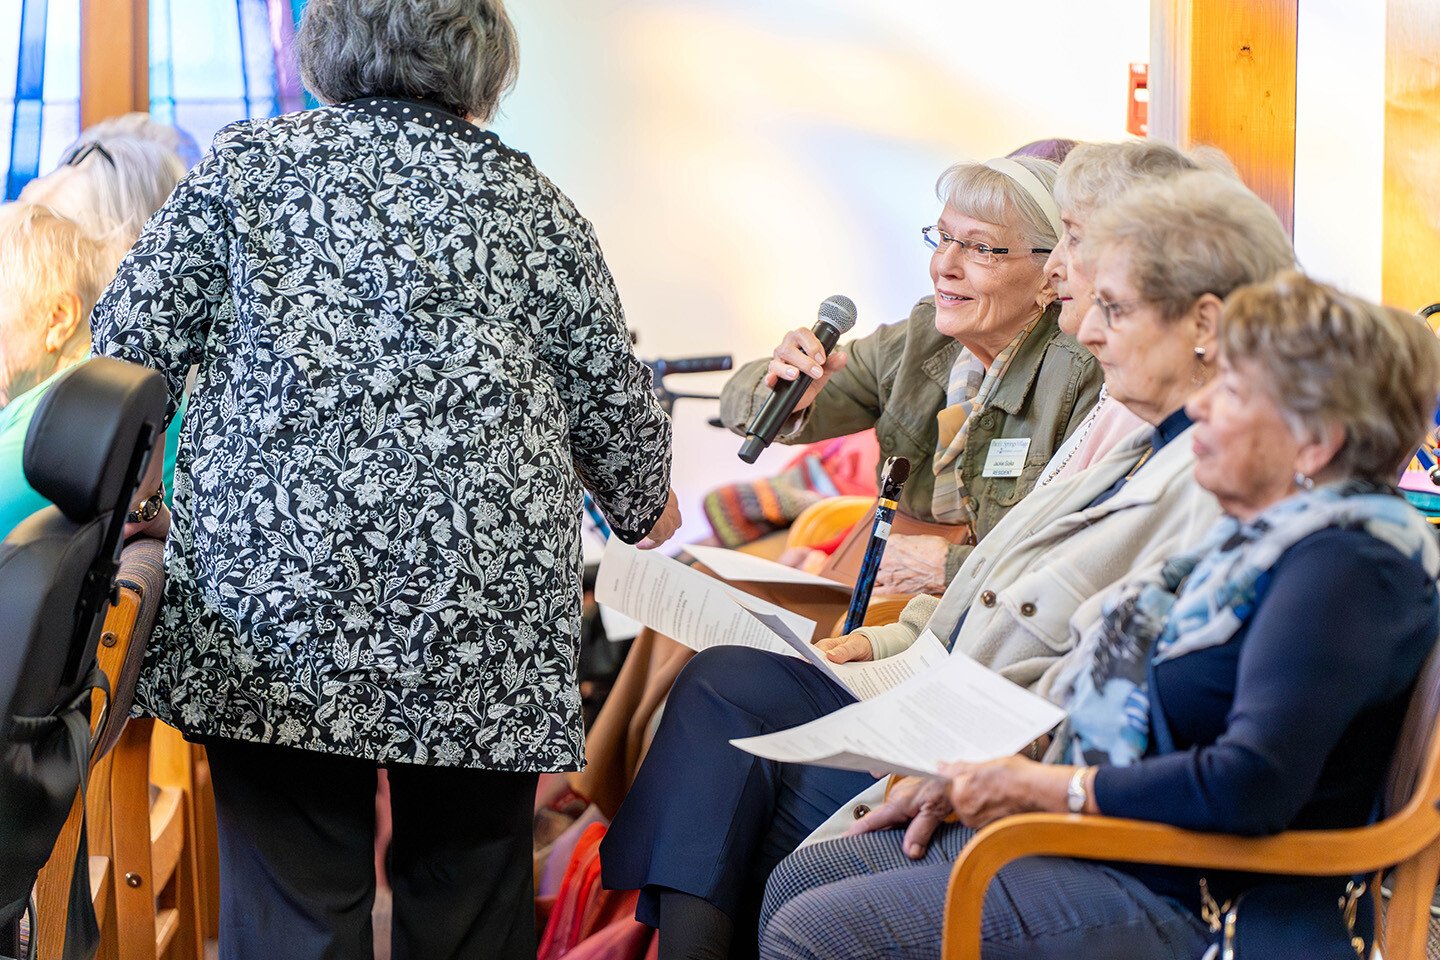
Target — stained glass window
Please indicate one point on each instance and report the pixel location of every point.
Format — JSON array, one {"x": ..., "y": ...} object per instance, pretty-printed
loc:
[{"x": 211, "y": 62}]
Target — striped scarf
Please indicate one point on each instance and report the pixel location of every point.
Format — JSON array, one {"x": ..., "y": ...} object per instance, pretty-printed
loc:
[{"x": 970, "y": 387}]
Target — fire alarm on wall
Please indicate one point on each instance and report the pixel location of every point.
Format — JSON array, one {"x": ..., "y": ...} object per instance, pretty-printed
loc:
[{"x": 1138, "y": 103}]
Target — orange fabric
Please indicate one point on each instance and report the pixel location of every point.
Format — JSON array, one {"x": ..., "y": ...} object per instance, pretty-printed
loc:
[{"x": 588, "y": 921}]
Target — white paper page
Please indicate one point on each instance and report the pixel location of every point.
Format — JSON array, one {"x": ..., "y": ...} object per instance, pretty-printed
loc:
[
  {"x": 957, "y": 711},
  {"x": 669, "y": 597},
  {"x": 872, "y": 678},
  {"x": 734, "y": 565},
  {"x": 869, "y": 679}
]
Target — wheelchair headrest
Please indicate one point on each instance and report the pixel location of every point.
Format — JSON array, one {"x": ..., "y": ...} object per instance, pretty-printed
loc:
[{"x": 79, "y": 447}]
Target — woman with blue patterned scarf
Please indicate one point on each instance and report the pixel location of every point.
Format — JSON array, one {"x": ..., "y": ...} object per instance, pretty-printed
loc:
[{"x": 1242, "y": 688}]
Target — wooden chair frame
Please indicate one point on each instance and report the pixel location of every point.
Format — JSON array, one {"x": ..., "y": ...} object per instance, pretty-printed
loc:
[{"x": 1408, "y": 839}]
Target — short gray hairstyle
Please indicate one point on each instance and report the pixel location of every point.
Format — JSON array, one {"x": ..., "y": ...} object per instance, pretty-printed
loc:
[
  {"x": 1095, "y": 175},
  {"x": 978, "y": 191},
  {"x": 460, "y": 54},
  {"x": 1328, "y": 358},
  {"x": 43, "y": 253},
  {"x": 112, "y": 199},
  {"x": 1194, "y": 233}
]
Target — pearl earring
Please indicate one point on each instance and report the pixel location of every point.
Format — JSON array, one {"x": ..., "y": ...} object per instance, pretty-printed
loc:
[
  {"x": 1200, "y": 354},
  {"x": 1303, "y": 482}
]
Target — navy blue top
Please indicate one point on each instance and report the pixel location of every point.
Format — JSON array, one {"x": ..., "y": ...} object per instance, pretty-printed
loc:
[{"x": 1288, "y": 725}]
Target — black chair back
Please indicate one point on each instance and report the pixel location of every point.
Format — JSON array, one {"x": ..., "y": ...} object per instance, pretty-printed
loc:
[{"x": 85, "y": 451}]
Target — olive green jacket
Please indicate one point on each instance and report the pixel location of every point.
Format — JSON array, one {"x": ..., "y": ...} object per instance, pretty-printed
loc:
[{"x": 896, "y": 382}]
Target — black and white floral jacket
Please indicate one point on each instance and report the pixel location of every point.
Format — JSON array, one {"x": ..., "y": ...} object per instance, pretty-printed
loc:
[{"x": 410, "y": 357}]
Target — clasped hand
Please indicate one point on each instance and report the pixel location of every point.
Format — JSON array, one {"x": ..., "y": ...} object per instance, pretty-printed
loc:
[{"x": 974, "y": 794}]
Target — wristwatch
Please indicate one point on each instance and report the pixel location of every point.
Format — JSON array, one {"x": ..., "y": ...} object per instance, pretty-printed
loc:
[
  {"x": 148, "y": 510},
  {"x": 1075, "y": 794}
]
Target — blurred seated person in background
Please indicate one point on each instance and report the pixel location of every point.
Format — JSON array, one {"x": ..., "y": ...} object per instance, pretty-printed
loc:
[
  {"x": 1253, "y": 684},
  {"x": 980, "y": 359},
  {"x": 62, "y": 244},
  {"x": 51, "y": 273},
  {"x": 1166, "y": 252},
  {"x": 113, "y": 177}
]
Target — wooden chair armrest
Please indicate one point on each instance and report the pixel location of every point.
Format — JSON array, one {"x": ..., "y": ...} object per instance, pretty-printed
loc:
[
  {"x": 827, "y": 519},
  {"x": 1361, "y": 850},
  {"x": 883, "y": 610}
]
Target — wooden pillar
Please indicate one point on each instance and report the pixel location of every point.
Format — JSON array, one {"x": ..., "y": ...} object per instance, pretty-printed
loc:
[
  {"x": 1225, "y": 73},
  {"x": 1410, "y": 272},
  {"x": 114, "y": 59}
]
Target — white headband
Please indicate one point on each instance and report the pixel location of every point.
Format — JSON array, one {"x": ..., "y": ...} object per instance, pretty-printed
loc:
[{"x": 1030, "y": 184}]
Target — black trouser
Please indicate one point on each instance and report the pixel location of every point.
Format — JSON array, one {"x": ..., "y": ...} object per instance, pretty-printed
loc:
[{"x": 297, "y": 867}]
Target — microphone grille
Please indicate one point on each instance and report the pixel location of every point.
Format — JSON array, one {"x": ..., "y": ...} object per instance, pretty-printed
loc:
[
  {"x": 899, "y": 470},
  {"x": 839, "y": 312}
]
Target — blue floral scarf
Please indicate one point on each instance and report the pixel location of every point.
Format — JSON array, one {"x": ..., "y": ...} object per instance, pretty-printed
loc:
[{"x": 1200, "y": 600}]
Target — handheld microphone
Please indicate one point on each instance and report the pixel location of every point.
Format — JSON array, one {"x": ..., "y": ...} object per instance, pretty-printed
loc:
[
  {"x": 837, "y": 315},
  {"x": 892, "y": 480}
]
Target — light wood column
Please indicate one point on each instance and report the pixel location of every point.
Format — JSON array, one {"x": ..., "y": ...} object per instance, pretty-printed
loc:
[
  {"x": 114, "y": 59},
  {"x": 1410, "y": 272},
  {"x": 1225, "y": 73}
]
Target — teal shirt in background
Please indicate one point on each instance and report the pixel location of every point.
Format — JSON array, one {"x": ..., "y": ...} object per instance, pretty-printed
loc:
[{"x": 17, "y": 498}]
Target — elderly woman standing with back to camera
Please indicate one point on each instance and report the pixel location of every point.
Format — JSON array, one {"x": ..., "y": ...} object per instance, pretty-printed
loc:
[{"x": 411, "y": 356}]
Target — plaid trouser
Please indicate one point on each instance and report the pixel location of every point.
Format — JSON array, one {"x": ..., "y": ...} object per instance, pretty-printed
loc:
[{"x": 861, "y": 897}]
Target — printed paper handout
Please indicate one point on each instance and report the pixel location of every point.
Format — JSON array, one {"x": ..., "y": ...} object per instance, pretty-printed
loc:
[
  {"x": 958, "y": 710},
  {"x": 734, "y": 565},
  {"x": 701, "y": 612}
]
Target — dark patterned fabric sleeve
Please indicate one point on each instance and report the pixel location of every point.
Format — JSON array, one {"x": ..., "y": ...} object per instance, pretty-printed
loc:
[
  {"x": 619, "y": 436},
  {"x": 172, "y": 285}
]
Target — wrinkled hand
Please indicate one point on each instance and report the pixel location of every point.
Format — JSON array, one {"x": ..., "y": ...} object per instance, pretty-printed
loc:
[
  {"x": 921, "y": 802},
  {"x": 851, "y": 648},
  {"x": 665, "y": 527},
  {"x": 913, "y": 565},
  {"x": 801, "y": 352},
  {"x": 984, "y": 792}
]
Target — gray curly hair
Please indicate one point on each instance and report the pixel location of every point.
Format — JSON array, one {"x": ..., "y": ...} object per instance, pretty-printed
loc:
[{"x": 460, "y": 54}]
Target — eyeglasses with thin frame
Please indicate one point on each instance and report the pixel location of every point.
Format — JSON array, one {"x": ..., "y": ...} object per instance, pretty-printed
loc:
[
  {"x": 78, "y": 155},
  {"x": 1113, "y": 310},
  {"x": 974, "y": 250}
]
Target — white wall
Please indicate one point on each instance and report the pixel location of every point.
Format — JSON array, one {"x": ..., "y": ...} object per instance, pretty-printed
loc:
[
  {"x": 1340, "y": 142},
  {"x": 744, "y": 159}
]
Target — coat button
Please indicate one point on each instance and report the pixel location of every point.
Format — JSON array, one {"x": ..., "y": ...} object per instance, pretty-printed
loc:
[
  {"x": 1027, "y": 609},
  {"x": 988, "y": 598},
  {"x": 860, "y": 810}
]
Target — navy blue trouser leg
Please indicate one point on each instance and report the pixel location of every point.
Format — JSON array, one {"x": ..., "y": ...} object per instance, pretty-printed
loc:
[
  {"x": 297, "y": 857},
  {"x": 708, "y": 819}
]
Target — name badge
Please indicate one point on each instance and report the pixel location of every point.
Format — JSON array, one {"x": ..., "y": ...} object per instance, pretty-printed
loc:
[{"x": 1006, "y": 458}]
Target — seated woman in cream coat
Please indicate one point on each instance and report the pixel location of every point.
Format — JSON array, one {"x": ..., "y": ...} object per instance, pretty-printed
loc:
[{"x": 1187, "y": 242}]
